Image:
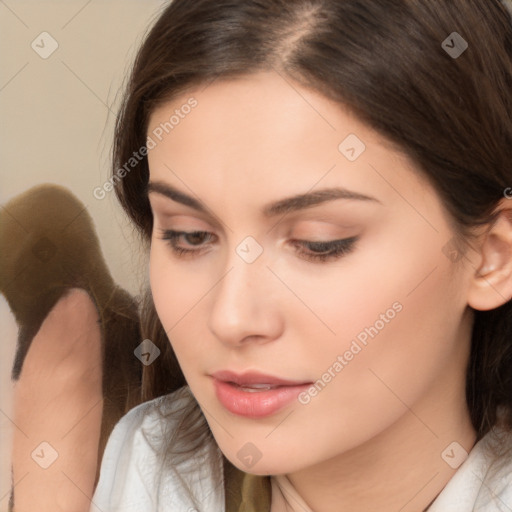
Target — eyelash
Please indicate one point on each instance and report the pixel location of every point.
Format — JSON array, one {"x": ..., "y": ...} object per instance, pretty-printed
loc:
[{"x": 320, "y": 251}]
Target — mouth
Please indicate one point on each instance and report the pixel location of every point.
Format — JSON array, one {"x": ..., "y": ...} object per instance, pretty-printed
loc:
[
  {"x": 255, "y": 380},
  {"x": 255, "y": 388},
  {"x": 255, "y": 395}
]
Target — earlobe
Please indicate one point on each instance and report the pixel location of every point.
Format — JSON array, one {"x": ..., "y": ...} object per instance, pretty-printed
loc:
[{"x": 491, "y": 286}]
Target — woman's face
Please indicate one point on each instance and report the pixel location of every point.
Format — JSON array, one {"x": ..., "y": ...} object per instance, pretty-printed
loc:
[{"x": 296, "y": 254}]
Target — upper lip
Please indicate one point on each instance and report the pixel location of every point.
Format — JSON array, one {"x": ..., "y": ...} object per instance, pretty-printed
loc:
[{"x": 248, "y": 378}]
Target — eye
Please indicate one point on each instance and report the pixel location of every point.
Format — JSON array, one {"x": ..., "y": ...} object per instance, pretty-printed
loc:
[
  {"x": 325, "y": 250},
  {"x": 193, "y": 243},
  {"x": 185, "y": 243}
]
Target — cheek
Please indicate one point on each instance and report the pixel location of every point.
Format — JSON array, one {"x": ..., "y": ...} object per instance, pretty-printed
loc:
[
  {"x": 163, "y": 287},
  {"x": 171, "y": 295},
  {"x": 397, "y": 330},
  {"x": 404, "y": 292},
  {"x": 178, "y": 294},
  {"x": 394, "y": 312},
  {"x": 399, "y": 363},
  {"x": 174, "y": 289}
]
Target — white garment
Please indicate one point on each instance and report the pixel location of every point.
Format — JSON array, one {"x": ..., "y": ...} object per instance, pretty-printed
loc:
[
  {"x": 131, "y": 480},
  {"x": 130, "y": 477}
]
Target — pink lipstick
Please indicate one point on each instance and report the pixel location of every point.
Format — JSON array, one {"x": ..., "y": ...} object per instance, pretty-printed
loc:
[{"x": 254, "y": 394}]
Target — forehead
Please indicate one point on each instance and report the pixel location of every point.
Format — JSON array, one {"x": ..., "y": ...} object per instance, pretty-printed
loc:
[
  {"x": 269, "y": 135},
  {"x": 262, "y": 110}
]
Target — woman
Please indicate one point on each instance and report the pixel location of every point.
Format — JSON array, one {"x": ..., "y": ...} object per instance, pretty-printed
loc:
[{"x": 323, "y": 190}]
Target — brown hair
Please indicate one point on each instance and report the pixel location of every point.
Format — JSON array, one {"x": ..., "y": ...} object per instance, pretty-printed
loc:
[{"x": 384, "y": 60}]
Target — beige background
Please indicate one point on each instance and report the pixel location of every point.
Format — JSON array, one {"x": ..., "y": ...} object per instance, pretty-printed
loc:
[{"x": 57, "y": 120}]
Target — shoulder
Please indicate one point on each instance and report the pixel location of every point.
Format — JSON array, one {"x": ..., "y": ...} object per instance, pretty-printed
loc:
[
  {"x": 136, "y": 473},
  {"x": 483, "y": 482}
]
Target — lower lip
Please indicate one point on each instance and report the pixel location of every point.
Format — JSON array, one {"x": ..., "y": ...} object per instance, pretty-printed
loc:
[{"x": 256, "y": 404}]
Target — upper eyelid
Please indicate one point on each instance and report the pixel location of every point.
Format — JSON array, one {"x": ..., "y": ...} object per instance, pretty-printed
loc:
[
  {"x": 334, "y": 226},
  {"x": 301, "y": 215},
  {"x": 209, "y": 224},
  {"x": 162, "y": 215},
  {"x": 212, "y": 236},
  {"x": 200, "y": 211}
]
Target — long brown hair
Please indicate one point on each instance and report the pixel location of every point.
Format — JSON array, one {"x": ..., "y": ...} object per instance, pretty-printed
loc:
[{"x": 384, "y": 60}]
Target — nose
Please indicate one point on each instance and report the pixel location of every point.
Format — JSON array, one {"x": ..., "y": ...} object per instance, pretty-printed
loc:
[{"x": 245, "y": 306}]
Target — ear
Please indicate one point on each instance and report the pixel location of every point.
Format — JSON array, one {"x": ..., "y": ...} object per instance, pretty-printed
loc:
[{"x": 491, "y": 286}]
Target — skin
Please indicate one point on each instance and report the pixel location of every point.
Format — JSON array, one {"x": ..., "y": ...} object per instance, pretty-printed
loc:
[
  {"x": 58, "y": 400},
  {"x": 373, "y": 437}
]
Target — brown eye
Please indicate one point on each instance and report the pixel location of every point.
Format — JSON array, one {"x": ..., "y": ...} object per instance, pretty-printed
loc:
[
  {"x": 196, "y": 238},
  {"x": 187, "y": 243}
]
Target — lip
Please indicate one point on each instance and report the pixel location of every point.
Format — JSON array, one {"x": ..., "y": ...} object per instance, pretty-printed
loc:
[
  {"x": 248, "y": 378},
  {"x": 229, "y": 388}
]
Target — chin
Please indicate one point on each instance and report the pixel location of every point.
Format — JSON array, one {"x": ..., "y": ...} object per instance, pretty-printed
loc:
[{"x": 262, "y": 469}]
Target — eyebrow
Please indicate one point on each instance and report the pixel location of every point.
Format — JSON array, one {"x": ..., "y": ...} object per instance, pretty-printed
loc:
[{"x": 283, "y": 206}]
